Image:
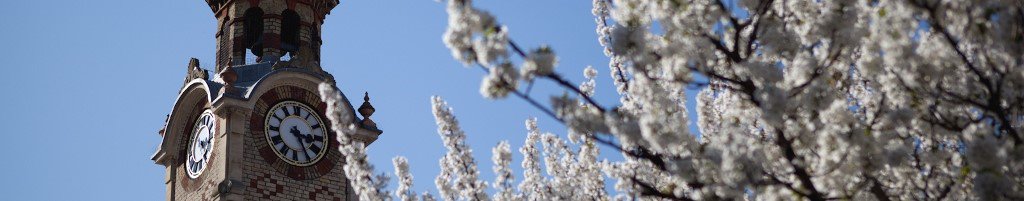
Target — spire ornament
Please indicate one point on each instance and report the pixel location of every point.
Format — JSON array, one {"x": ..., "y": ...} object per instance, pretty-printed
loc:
[
  {"x": 228, "y": 76},
  {"x": 366, "y": 110},
  {"x": 194, "y": 71}
]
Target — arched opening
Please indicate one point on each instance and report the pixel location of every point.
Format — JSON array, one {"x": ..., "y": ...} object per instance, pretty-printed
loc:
[
  {"x": 290, "y": 23},
  {"x": 254, "y": 31},
  {"x": 223, "y": 50}
]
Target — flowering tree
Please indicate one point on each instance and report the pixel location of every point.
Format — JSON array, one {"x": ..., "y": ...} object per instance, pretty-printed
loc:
[{"x": 800, "y": 99}]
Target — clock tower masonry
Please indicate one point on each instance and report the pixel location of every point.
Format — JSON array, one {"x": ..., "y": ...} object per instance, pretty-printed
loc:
[{"x": 256, "y": 128}]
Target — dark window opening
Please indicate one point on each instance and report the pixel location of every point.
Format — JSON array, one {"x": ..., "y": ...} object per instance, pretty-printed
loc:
[
  {"x": 254, "y": 31},
  {"x": 290, "y": 23}
]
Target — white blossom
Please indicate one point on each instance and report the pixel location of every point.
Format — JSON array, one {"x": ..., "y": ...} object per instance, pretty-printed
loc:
[
  {"x": 588, "y": 87},
  {"x": 459, "y": 178},
  {"x": 540, "y": 62},
  {"x": 533, "y": 186},
  {"x": 502, "y": 157},
  {"x": 493, "y": 47},
  {"x": 464, "y": 22},
  {"x": 404, "y": 191},
  {"x": 500, "y": 81}
]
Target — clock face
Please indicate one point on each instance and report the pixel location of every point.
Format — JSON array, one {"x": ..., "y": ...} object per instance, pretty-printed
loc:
[
  {"x": 202, "y": 144},
  {"x": 296, "y": 133}
]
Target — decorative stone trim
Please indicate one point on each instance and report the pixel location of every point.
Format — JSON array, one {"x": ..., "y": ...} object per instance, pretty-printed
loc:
[{"x": 195, "y": 72}]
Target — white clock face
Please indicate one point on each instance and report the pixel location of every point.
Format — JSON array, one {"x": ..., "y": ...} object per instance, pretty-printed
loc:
[
  {"x": 296, "y": 133},
  {"x": 202, "y": 144}
]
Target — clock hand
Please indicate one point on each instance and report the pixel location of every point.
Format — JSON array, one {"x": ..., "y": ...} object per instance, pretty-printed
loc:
[
  {"x": 309, "y": 138},
  {"x": 202, "y": 147},
  {"x": 295, "y": 131},
  {"x": 206, "y": 146}
]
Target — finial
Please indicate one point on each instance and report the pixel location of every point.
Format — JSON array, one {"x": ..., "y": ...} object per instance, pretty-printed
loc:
[
  {"x": 229, "y": 77},
  {"x": 366, "y": 110},
  {"x": 193, "y": 63},
  {"x": 194, "y": 71}
]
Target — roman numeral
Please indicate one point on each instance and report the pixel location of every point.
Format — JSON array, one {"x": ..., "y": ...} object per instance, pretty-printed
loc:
[
  {"x": 276, "y": 139},
  {"x": 295, "y": 156},
  {"x": 278, "y": 118},
  {"x": 275, "y": 128},
  {"x": 314, "y": 148},
  {"x": 317, "y": 138},
  {"x": 309, "y": 156},
  {"x": 315, "y": 126},
  {"x": 286, "y": 112},
  {"x": 284, "y": 150}
]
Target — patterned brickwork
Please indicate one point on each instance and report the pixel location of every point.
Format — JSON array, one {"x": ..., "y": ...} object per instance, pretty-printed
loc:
[{"x": 203, "y": 187}]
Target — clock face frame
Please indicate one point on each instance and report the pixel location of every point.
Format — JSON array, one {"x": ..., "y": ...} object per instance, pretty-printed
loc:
[
  {"x": 201, "y": 145},
  {"x": 296, "y": 133},
  {"x": 256, "y": 134}
]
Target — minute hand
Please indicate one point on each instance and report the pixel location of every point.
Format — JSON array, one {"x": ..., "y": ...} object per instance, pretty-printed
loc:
[{"x": 296, "y": 133}]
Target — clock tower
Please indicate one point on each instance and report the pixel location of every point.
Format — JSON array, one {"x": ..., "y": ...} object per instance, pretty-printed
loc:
[{"x": 256, "y": 129}]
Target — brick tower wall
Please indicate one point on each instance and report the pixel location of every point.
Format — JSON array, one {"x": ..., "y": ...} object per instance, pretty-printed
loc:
[{"x": 230, "y": 38}]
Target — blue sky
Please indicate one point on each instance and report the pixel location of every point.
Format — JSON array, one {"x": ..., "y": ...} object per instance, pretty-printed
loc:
[{"x": 87, "y": 84}]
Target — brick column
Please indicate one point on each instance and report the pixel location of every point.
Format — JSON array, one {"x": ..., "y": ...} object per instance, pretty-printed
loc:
[
  {"x": 272, "y": 37},
  {"x": 237, "y": 43}
]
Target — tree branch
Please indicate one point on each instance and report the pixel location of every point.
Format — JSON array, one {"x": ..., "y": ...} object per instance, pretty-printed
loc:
[
  {"x": 801, "y": 173},
  {"x": 876, "y": 189},
  {"x": 558, "y": 79}
]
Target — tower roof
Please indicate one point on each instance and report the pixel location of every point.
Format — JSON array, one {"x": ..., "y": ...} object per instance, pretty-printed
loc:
[{"x": 322, "y": 6}]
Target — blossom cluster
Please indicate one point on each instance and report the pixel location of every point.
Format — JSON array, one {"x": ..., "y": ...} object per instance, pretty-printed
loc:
[
  {"x": 798, "y": 99},
  {"x": 357, "y": 167}
]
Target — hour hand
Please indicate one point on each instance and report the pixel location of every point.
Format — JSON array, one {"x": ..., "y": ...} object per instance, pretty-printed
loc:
[
  {"x": 205, "y": 144},
  {"x": 308, "y": 137},
  {"x": 295, "y": 132}
]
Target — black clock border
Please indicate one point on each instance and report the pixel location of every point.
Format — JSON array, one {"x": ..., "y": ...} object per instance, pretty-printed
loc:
[{"x": 319, "y": 117}]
